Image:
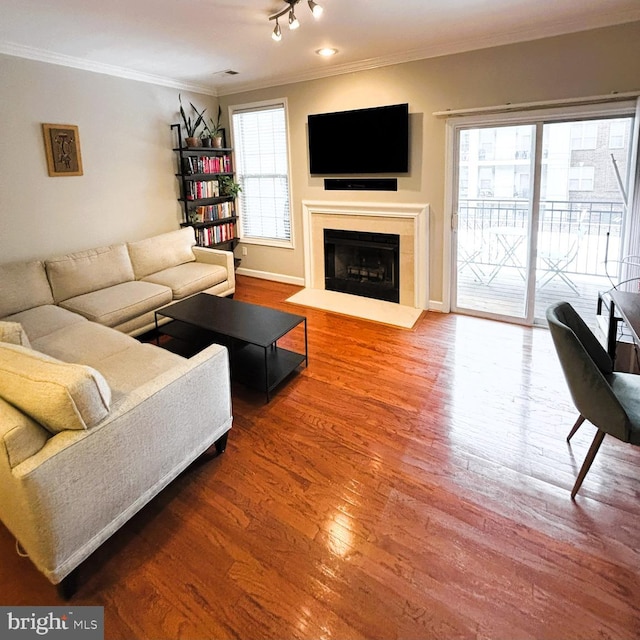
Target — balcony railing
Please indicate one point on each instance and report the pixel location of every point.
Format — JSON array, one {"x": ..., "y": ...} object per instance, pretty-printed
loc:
[{"x": 584, "y": 235}]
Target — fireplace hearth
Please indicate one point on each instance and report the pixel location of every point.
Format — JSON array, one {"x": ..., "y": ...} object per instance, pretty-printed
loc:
[{"x": 362, "y": 263}]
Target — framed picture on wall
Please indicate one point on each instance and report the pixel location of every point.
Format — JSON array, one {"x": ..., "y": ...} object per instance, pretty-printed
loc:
[{"x": 62, "y": 146}]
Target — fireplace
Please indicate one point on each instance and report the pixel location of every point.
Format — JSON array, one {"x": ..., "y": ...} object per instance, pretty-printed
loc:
[
  {"x": 362, "y": 263},
  {"x": 409, "y": 221}
]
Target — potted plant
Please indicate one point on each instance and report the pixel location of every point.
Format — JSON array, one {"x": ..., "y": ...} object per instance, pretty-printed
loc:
[
  {"x": 191, "y": 127},
  {"x": 228, "y": 186},
  {"x": 205, "y": 135},
  {"x": 215, "y": 129}
]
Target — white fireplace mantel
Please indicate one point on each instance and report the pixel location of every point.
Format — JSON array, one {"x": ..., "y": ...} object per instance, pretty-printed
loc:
[{"x": 409, "y": 221}]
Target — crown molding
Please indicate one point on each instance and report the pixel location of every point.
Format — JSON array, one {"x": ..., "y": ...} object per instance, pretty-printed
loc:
[
  {"x": 40, "y": 55},
  {"x": 432, "y": 51},
  {"x": 438, "y": 50}
]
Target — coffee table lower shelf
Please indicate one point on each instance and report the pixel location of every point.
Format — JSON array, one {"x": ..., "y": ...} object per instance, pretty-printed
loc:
[{"x": 262, "y": 368}]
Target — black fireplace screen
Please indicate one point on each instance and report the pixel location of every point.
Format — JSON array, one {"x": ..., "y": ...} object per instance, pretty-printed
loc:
[{"x": 362, "y": 263}]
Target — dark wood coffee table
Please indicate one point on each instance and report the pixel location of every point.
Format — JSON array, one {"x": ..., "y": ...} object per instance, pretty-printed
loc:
[{"x": 250, "y": 332}]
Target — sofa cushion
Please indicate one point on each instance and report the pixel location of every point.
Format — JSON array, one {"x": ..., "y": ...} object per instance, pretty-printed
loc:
[
  {"x": 23, "y": 436},
  {"x": 189, "y": 278},
  {"x": 13, "y": 333},
  {"x": 59, "y": 395},
  {"x": 117, "y": 304},
  {"x": 84, "y": 343},
  {"x": 41, "y": 321},
  {"x": 85, "y": 271},
  {"x": 127, "y": 370},
  {"x": 24, "y": 286},
  {"x": 162, "y": 252}
]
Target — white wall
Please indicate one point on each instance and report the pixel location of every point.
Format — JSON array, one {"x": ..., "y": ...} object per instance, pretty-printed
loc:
[{"x": 128, "y": 190}]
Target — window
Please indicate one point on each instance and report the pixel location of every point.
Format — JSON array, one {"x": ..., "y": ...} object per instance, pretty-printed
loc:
[
  {"x": 617, "y": 132},
  {"x": 524, "y": 182},
  {"x": 581, "y": 178},
  {"x": 584, "y": 135},
  {"x": 262, "y": 170},
  {"x": 486, "y": 142}
]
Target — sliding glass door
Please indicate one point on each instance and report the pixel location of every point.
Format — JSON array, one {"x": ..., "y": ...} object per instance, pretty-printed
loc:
[
  {"x": 495, "y": 165},
  {"x": 539, "y": 214}
]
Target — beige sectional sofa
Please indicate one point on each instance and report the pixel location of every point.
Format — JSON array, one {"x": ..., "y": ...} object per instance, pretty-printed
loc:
[
  {"x": 93, "y": 423},
  {"x": 122, "y": 285}
]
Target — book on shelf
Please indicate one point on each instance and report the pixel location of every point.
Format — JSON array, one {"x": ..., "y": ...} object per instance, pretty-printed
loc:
[
  {"x": 192, "y": 165},
  {"x": 199, "y": 189},
  {"x": 212, "y": 212},
  {"x": 209, "y": 236}
]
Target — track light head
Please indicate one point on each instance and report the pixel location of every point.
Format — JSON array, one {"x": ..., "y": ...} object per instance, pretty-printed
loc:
[
  {"x": 277, "y": 33},
  {"x": 316, "y": 9},
  {"x": 293, "y": 21}
]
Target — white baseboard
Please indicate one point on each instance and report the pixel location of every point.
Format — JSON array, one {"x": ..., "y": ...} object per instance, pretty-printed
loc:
[
  {"x": 266, "y": 275},
  {"x": 437, "y": 305}
]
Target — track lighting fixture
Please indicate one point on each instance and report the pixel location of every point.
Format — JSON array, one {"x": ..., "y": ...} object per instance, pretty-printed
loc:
[{"x": 316, "y": 11}]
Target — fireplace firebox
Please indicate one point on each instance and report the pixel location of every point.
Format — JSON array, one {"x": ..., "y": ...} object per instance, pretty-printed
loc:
[{"x": 362, "y": 263}]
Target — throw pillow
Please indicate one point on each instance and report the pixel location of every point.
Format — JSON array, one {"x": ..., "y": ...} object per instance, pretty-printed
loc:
[
  {"x": 13, "y": 333},
  {"x": 59, "y": 395}
]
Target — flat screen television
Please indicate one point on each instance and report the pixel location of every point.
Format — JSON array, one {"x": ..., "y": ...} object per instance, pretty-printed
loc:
[{"x": 374, "y": 140}]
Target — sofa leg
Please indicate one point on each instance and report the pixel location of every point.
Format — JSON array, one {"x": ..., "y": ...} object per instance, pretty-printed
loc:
[
  {"x": 67, "y": 588},
  {"x": 217, "y": 448},
  {"x": 221, "y": 443}
]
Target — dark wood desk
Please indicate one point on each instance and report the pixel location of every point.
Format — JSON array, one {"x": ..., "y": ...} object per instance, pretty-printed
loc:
[{"x": 627, "y": 305}]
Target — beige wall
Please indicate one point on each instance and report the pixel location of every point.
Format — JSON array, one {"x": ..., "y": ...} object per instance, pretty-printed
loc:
[
  {"x": 128, "y": 190},
  {"x": 583, "y": 64}
]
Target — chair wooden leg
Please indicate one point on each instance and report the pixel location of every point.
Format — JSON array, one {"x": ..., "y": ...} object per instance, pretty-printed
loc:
[
  {"x": 586, "y": 465},
  {"x": 576, "y": 426}
]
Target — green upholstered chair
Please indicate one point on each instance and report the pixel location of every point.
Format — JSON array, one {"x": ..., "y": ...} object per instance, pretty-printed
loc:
[{"x": 609, "y": 400}]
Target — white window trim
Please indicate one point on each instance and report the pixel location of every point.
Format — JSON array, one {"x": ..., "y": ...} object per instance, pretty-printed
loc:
[{"x": 268, "y": 242}]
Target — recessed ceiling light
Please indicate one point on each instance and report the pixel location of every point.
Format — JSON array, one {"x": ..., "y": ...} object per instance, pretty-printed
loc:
[{"x": 327, "y": 52}]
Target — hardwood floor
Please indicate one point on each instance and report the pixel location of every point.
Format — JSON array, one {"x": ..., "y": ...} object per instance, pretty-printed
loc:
[{"x": 408, "y": 484}]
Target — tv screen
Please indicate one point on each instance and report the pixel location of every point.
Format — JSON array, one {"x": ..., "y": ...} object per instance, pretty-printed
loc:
[{"x": 374, "y": 140}]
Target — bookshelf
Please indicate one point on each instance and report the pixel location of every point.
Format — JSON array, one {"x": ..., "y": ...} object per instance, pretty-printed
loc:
[{"x": 200, "y": 173}]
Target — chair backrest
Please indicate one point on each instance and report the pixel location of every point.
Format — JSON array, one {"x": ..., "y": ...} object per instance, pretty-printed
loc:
[{"x": 586, "y": 366}]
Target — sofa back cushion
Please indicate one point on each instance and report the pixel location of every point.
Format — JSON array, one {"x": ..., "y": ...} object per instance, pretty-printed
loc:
[
  {"x": 85, "y": 271},
  {"x": 23, "y": 285},
  {"x": 162, "y": 252},
  {"x": 59, "y": 395}
]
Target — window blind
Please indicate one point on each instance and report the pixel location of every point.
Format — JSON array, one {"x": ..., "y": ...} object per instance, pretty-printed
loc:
[{"x": 262, "y": 169}]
